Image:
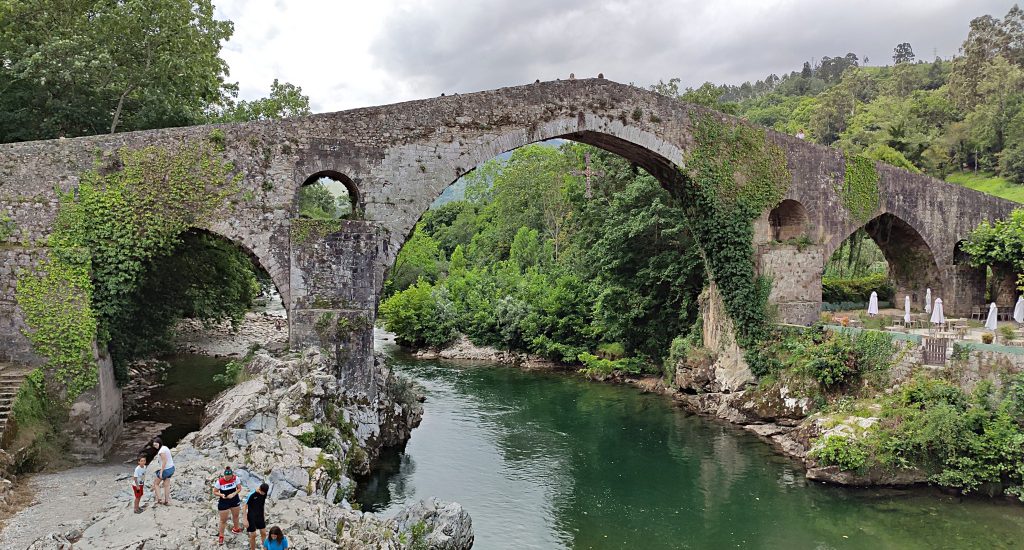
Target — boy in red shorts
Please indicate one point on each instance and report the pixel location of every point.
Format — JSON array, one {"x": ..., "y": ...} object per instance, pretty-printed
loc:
[{"x": 139, "y": 481}]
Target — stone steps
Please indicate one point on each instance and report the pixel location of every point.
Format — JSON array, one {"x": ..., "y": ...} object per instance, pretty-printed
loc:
[{"x": 11, "y": 379}]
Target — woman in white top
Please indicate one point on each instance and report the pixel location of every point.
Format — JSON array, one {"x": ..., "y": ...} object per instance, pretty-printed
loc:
[{"x": 164, "y": 471}]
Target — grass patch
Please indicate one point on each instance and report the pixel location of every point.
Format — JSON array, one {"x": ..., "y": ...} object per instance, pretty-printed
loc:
[{"x": 989, "y": 183}]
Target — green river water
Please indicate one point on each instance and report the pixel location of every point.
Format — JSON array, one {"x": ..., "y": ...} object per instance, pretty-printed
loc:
[{"x": 546, "y": 460}]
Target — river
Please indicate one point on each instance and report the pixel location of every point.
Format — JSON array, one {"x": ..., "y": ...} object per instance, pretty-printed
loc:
[{"x": 546, "y": 460}]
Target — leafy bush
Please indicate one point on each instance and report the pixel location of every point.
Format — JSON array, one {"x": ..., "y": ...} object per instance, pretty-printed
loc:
[
  {"x": 614, "y": 350},
  {"x": 1011, "y": 164},
  {"x": 322, "y": 437},
  {"x": 232, "y": 374},
  {"x": 874, "y": 351},
  {"x": 845, "y": 452},
  {"x": 420, "y": 315},
  {"x": 35, "y": 422},
  {"x": 959, "y": 441},
  {"x": 839, "y": 358},
  {"x": 596, "y": 367},
  {"x": 833, "y": 362},
  {"x": 857, "y": 290},
  {"x": 924, "y": 392},
  {"x": 960, "y": 352}
]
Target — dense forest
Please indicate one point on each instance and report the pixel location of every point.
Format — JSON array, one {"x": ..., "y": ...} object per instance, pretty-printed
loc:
[
  {"x": 527, "y": 261},
  {"x": 961, "y": 119}
]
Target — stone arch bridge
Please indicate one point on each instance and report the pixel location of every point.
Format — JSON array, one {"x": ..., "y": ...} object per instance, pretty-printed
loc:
[{"x": 398, "y": 158}]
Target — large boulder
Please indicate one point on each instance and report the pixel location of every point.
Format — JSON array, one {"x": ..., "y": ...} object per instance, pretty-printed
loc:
[{"x": 442, "y": 525}]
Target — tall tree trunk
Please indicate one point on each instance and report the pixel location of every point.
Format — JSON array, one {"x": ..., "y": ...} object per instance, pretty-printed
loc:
[{"x": 120, "y": 105}]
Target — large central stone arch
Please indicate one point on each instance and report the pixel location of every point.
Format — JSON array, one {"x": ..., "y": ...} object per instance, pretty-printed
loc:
[{"x": 656, "y": 156}]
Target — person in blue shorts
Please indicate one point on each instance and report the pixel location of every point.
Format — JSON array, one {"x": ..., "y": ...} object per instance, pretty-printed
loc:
[{"x": 164, "y": 471}]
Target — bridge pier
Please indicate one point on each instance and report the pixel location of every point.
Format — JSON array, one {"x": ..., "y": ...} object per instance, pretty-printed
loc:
[
  {"x": 334, "y": 294},
  {"x": 1004, "y": 287},
  {"x": 965, "y": 288},
  {"x": 96, "y": 418},
  {"x": 795, "y": 272}
]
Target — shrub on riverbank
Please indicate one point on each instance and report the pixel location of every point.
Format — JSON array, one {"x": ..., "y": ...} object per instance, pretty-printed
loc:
[{"x": 968, "y": 442}]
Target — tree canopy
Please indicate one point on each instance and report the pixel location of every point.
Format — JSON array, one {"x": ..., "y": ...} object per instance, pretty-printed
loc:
[
  {"x": 79, "y": 67},
  {"x": 938, "y": 117}
]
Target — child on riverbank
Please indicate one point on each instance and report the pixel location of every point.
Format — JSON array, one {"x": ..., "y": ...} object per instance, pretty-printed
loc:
[{"x": 139, "y": 481}]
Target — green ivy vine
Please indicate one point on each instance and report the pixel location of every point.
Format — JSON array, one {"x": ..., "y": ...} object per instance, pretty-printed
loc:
[
  {"x": 733, "y": 174},
  {"x": 7, "y": 227},
  {"x": 860, "y": 187},
  {"x": 56, "y": 303},
  {"x": 105, "y": 234}
]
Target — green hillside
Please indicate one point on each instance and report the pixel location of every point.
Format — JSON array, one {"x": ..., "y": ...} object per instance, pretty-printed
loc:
[
  {"x": 989, "y": 183},
  {"x": 949, "y": 118}
]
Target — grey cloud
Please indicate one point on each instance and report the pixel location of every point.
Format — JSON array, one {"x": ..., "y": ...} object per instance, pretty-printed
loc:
[{"x": 452, "y": 46}]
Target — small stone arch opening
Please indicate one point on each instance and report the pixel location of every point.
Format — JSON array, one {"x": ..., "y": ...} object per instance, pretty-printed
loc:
[
  {"x": 788, "y": 221},
  {"x": 327, "y": 195},
  {"x": 960, "y": 257}
]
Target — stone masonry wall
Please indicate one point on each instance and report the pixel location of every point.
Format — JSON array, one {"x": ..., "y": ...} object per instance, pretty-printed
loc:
[
  {"x": 796, "y": 280},
  {"x": 334, "y": 297}
]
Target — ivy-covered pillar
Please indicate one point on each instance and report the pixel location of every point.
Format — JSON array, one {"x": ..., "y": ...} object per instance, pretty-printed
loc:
[{"x": 333, "y": 294}]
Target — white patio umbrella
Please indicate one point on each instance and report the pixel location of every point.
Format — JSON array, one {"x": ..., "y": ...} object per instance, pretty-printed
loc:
[
  {"x": 928, "y": 301},
  {"x": 937, "y": 316},
  {"x": 993, "y": 317},
  {"x": 873, "y": 304},
  {"x": 906, "y": 308},
  {"x": 1018, "y": 310}
]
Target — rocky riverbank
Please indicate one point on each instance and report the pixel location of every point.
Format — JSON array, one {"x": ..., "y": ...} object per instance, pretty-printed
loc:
[
  {"x": 290, "y": 425},
  {"x": 464, "y": 350}
]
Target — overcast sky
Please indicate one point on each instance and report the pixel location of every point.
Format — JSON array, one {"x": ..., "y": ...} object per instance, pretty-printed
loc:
[{"x": 357, "y": 53}]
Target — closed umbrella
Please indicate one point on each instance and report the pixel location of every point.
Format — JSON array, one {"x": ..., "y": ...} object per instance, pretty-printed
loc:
[
  {"x": 873, "y": 304},
  {"x": 928, "y": 301},
  {"x": 1018, "y": 310},
  {"x": 906, "y": 308},
  {"x": 993, "y": 317},
  {"x": 937, "y": 317}
]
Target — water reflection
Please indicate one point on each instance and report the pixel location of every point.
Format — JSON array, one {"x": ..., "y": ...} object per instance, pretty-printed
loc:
[{"x": 547, "y": 461}]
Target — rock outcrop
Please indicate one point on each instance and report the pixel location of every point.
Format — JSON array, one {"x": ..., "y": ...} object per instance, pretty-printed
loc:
[
  {"x": 464, "y": 350},
  {"x": 719, "y": 366},
  {"x": 292, "y": 426}
]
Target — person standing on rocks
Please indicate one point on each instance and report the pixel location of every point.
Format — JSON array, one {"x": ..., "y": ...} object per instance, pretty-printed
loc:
[
  {"x": 226, "y": 489},
  {"x": 139, "y": 481},
  {"x": 165, "y": 469},
  {"x": 254, "y": 512}
]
